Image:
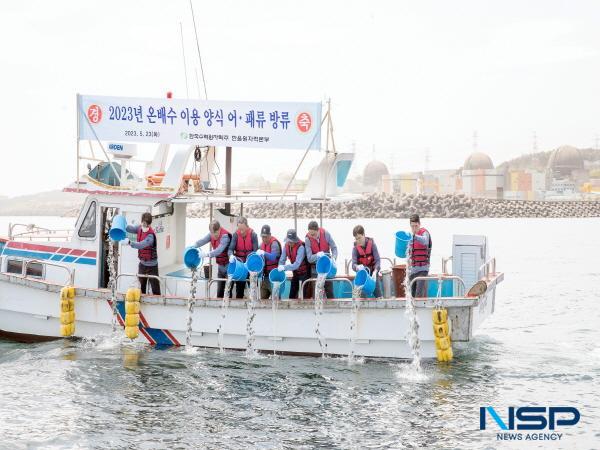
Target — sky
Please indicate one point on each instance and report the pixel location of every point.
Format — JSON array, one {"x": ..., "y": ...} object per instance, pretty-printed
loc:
[{"x": 405, "y": 79}]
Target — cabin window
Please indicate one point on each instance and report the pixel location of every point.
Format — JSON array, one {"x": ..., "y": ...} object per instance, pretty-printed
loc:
[
  {"x": 34, "y": 270},
  {"x": 88, "y": 226}
]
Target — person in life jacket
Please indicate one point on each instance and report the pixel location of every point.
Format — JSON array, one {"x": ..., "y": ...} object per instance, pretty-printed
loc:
[
  {"x": 243, "y": 242},
  {"x": 318, "y": 243},
  {"x": 147, "y": 254},
  {"x": 420, "y": 253},
  {"x": 365, "y": 255},
  {"x": 294, "y": 250},
  {"x": 270, "y": 250},
  {"x": 219, "y": 239}
]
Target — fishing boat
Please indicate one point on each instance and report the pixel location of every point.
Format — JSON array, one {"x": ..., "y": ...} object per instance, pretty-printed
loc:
[{"x": 36, "y": 264}]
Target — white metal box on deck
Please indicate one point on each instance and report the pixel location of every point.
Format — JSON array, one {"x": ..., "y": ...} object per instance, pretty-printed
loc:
[{"x": 469, "y": 253}]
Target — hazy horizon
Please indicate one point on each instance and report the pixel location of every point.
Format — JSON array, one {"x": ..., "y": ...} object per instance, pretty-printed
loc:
[{"x": 403, "y": 78}]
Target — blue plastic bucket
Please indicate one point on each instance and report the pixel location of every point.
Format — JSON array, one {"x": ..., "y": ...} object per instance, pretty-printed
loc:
[
  {"x": 364, "y": 280},
  {"x": 325, "y": 265},
  {"x": 447, "y": 288},
  {"x": 237, "y": 270},
  {"x": 192, "y": 258},
  {"x": 118, "y": 230},
  {"x": 275, "y": 276},
  {"x": 402, "y": 240},
  {"x": 255, "y": 263}
]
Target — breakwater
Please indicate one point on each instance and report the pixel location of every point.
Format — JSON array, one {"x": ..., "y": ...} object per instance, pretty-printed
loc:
[{"x": 390, "y": 206}]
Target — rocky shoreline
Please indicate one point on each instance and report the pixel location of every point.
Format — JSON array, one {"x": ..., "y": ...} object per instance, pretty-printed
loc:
[
  {"x": 381, "y": 206},
  {"x": 386, "y": 206}
]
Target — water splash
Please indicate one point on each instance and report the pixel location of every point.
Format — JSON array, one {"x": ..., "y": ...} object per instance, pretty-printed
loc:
[
  {"x": 250, "y": 338},
  {"x": 274, "y": 298},
  {"x": 224, "y": 308},
  {"x": 112, "y": 281},
  {"x": 356, "y": 294},
  {"x": 191, "y": 304},
  {"x": 105, "y": 341},
  {"x": 411, "y": 314},
  {"x": 319, "y": 298}
]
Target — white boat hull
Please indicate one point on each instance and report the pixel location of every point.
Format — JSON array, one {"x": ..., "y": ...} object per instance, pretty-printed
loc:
[{"x": 31, "y": 308}]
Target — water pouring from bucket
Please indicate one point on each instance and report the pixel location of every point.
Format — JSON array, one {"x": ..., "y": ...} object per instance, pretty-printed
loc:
[
  {"x": 192, "y": 257},
  {"x": 365, "y": 281},
  {"x": 255, "y": 263},
  {"x": 224, "y": 308},
  {"x": 237, "y": 270},
  {"x": 118, "y": 230},
  {"x": 326, "y": 266}
]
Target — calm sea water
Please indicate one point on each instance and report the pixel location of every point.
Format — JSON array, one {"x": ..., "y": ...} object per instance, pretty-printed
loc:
[{"x": 541, "y": 347}]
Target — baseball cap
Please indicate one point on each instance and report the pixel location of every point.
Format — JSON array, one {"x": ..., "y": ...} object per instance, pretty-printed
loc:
[
  {"x": 292, "y": 236},
  {"x": 265, "y": 230}
]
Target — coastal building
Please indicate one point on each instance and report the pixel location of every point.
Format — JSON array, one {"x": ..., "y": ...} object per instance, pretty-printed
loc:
[
  {"x": 479, "y": 178},
  {"x": 439, "y": 182},
  {"x": 524, "y": 184},
  {"x": 402, "y": 183}
]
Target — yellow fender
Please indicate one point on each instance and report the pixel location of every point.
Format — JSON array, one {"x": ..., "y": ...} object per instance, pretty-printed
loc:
[
  {"x": 133, "y": 295},
  {"x": 67, "y": 311},
  {"x": 132, "y": 307},
  {"x": 440, "y": 316},
  {"x": 442, "y": 343},
  {"x": 445, "y": 355},
  {"x": 67, "y": 305},
  {"x": 132, "y": 332},
  {"x": 67, "y": 317},
  {"x": 132, "y": 320},
  {"x": 440, "y": 330}
]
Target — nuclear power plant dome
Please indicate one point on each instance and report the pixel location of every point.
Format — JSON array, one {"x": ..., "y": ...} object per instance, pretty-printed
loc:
[
  {"x": 478, "y": 160},
  {"x": 565, "y": 159},
  {"x": 373, "y": 173}
]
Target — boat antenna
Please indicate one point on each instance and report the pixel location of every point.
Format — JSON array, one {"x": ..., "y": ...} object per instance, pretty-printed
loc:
[
  {"x": 187, "y": 90},
  {"x": 198, "y": 48}
]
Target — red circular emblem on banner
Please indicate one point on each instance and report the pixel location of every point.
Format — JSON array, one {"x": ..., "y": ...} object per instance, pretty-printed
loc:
[
  {"x": 304, "y": 122},
  {"x": 94, "y": 114}
]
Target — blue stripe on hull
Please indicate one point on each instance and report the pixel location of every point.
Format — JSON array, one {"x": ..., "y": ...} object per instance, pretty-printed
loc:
[
  {"x": 158, "y": 335},
  {"x": 49, "y": 256}
]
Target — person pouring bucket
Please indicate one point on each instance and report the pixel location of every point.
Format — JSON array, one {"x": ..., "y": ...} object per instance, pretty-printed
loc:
[
  {"x": 147, "y": 254},
  {"x": 293, "y": 249},
  {"x": 270, "y": 250},
  {"x": 319, "y": 243},
  {"x": 366, "y": 256},
  {"x": 219, "y": 239},
  {"x": 420, "y": 256},
  {"x": 243, "y": 242}
]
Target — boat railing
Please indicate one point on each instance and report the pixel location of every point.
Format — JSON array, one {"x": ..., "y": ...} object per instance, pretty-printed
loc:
[
  {"x": 33, "y": 232},
  {"x": 161, "y": 280},
  {"x": 348, "y": 262},
  {"x": 330, "y": 280},
  {"x": 70, "y": 272},
  {"x": 439, "y": 278},
  {"x": 488, "y": 268},
  {"x": 211, "y": 281}
]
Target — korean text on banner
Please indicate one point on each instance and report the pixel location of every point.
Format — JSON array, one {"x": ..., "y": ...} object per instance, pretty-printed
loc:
[{"x": 197, "y": 122}]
